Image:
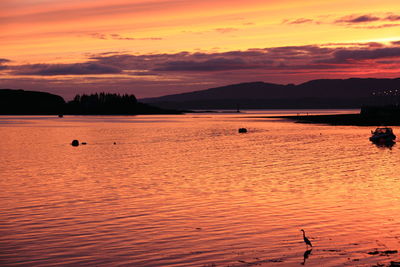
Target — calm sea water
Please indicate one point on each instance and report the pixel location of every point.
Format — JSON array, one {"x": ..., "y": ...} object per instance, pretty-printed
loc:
[{"x": 189, "y": 190}]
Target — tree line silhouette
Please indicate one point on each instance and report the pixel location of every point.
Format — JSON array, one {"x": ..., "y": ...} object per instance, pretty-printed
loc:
[
  {"x": 111, "y": 104},
  {"x": 103, "y": 103}
]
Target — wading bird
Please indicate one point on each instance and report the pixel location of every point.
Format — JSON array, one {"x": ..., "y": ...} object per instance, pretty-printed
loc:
[{"x": 308, "y": 242}]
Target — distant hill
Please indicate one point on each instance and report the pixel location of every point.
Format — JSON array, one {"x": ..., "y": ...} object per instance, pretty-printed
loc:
[
  {"x": 21, "y": 102},
  {"x": 324, "y": 93}
]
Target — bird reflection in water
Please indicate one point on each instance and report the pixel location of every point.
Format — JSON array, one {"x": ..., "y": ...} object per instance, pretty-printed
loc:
[{"x": 305, "y": 256}]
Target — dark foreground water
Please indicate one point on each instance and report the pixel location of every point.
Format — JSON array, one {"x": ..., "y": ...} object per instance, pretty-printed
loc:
[{"x": 190, "y": 191}]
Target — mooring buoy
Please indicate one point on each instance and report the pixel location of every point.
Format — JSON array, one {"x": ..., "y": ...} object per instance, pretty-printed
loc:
[{"x": 75, "y": 143}]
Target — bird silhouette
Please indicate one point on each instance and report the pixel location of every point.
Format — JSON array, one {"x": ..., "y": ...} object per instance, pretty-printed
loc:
[{"x": 306, "y": 240}]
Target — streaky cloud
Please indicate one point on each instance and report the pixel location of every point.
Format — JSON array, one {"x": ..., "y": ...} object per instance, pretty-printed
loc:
[
  {"x": 4, "y": 60},
  {"x": 346, "y": 56},
  {"x": 367, "y": 19},
  {"x": 358, "y": 19},
  {"x": 119, "y": 37},
  {"x": 387, "y": 25},
  {"x": 333, "y": 56},
  {"x": 94, "y": 10},
  {"x": 363, "y": 21},
  {"x": 226, "y": 30},
  {"x": 65, "y": 69},
  {"x": 368, "y": 44},
  {"x": 216, "y": 64},
  {"x": 115, "y": 36},
  {"x": 297, "y": 21},
  {"x": 393, "y": 17}
]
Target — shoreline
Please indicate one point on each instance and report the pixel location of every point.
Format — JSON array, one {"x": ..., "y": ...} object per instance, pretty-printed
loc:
[{"x": 345, "y": 120}]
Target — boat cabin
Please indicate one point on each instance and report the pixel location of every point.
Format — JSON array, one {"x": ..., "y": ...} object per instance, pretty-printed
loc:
[{"x": 384, "y": 130}]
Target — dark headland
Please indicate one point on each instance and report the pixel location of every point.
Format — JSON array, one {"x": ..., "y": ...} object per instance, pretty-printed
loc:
[
  {"x": 369, "y": 116},
  {"x": 21, "y": 102}
]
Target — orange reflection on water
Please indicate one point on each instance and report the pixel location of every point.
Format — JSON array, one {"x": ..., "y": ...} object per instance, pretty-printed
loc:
[{"x": 191, "y": 191}]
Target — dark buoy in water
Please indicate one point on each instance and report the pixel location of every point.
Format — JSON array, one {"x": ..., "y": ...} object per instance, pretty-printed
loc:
[
  {"x": 75, "y": 143},
  {"x": 242, "y": 130},
  {"x": 115, "y": 143},
  {"x": 61, "y": 115},
  {"x": 83, "y": 143}
]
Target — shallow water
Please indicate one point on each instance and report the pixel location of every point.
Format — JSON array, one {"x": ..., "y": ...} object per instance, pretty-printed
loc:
[{"x": 189, "y": 190}]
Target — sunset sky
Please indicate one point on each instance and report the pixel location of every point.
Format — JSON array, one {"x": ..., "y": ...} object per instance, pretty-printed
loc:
[{"x": 159, "y": 47}]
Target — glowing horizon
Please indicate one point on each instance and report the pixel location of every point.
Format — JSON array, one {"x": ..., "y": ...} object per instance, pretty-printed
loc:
[{"x": 159, "y": 47}]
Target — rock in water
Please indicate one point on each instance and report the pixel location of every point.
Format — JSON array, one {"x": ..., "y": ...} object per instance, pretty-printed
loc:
[{"x": 75, "y": 143}]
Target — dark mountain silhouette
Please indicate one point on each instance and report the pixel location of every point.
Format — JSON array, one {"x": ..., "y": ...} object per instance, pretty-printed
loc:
[
  {"x": 325, "y": 93},
  {"x": 20, "y": 102}
]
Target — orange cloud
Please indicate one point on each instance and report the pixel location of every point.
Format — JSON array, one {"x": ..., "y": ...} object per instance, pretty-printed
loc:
[
  {"x": 181, "y": 43},
  {"x": 293, "y": 63}
]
